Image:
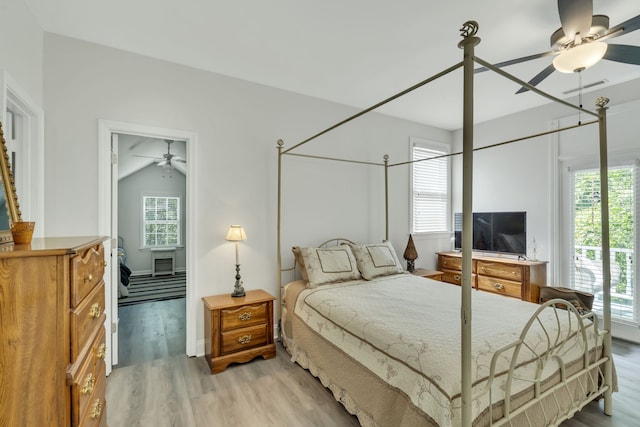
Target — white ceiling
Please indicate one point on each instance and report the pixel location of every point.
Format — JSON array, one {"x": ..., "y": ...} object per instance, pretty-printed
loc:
[{"x": 355, "y": 52}]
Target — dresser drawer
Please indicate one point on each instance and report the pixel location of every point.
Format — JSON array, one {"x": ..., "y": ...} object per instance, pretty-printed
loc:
[
  {"x": 455, "y": 277},
  {"x": 243, "y": 339},
  {"x": 95, "y": 412},
  {"x": 86, "y": 272},
  {"x": 87, "y": 318},
  {"x": 246, "y": 315},
  {"x": 450, "y": 263},
  {"x": 500, "y": 286},
  {"x": 88, "y": 386},
  {"x": 505, "y": 271}
]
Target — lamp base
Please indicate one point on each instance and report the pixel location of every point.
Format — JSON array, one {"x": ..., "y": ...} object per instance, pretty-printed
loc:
[
  {"x": 411, "y": 267},
  {"x": 238, "y": 290}
]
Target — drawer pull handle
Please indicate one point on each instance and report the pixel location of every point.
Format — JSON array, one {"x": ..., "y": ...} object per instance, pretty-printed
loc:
[
  {"x": 104, "y": 263},
  {"x": 245, "y": 316},
  {"x": 102, "y": 351},
  {"x": 456, "y": 277},
  {"x": 483, "y": 269},
  {"x": 89, "y": 384},
  {"x": 499, "y": 286},
  {"x": 88, "y": 278},
  {"x": 96, "y": 411},
  {"x": 245, "y": 339},
  {"x": 95, "y": 311}
]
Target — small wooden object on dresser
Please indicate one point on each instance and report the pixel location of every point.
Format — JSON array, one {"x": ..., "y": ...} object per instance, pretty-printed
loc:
[
  {"x": 429, "y": 274},
  {"x": 238, "y": 329},
  {"x": 510, "y": 277},
  {"x": 52, "y": 337}
]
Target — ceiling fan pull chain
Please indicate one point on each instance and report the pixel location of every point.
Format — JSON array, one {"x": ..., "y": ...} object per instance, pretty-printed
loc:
[{"x": 580, "y": 97}]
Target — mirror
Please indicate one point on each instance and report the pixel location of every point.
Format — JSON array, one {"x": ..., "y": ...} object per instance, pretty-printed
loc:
[{"x": 9, "y": 207}]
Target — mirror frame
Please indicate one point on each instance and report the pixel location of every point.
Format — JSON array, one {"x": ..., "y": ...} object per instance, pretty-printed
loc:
[{"x": 7, "y": 182}]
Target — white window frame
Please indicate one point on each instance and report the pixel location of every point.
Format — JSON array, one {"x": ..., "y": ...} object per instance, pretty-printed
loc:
[
  {"x": 143, "y": 221},
  {"x": 440, "y": 147},
  {"x": 615, "y": 161}
]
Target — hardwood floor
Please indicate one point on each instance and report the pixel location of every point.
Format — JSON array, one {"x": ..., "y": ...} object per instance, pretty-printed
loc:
[
  {"x": 151, "y": 331},
  {"x": 175, "y": 390}
]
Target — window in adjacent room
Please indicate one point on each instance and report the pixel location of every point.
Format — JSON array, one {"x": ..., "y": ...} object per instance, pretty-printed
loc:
[
  {"x": 429, "y": 187},
  {"x": 161, "y": 221},
  {"x": 586, "y": 271}
]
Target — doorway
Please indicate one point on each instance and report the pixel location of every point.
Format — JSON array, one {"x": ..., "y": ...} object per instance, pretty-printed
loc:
[{"x": 109, "y": 164}]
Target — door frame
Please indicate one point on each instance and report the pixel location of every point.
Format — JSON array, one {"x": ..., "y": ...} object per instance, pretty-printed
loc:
[{"x": 108, "y": 192}]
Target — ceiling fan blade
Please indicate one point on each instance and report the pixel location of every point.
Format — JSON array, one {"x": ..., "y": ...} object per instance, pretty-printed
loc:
[
  {"x": 147, "y": 157},
  {"x": 575, "y": 17},
  {"x": 623, "y": 53},
  {"x": 163, "y": 163},
  {"x": 624, "y": 28},
  {"x": 178, "y": 159},
  {"x": 538, "y": 78},
  {"x": 516, "y": 61}
]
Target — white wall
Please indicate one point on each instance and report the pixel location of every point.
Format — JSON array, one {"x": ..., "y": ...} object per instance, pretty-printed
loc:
[
  {"x": 238, "y": 124},
  {"x": 150, "y": 180},
  {"x": 21, "y": 47}
]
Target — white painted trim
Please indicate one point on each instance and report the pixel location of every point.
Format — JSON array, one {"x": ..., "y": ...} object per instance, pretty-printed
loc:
[
  {"x": 105, "y": 129},
  {"x": 32, "y": 204}
]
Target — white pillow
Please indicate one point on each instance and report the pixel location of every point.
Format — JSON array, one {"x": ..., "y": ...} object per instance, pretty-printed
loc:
[
  {"x": 326, "y": 265},
  {"x": 376, "y": 260}
]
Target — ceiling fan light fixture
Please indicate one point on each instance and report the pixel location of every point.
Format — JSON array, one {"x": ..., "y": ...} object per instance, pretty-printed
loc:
[{"x": 580, "y": 57}]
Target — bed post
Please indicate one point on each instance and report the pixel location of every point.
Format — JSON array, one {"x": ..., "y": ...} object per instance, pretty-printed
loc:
[
  {"x": 278, "y": 243},
  {"x": 601, "y": 102},
  {"x": 386, "y": 197},
  {"x": 468, "y": 31}
]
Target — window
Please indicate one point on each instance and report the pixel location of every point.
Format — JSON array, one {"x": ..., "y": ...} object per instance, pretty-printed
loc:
[
  {"x": 430, "y": 187},
  {"x": 161, "y": 221},
  {"x": 586, "y": 271}
]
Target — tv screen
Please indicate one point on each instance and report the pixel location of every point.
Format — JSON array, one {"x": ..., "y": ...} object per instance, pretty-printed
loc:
[{"x": 500, "y": 232}]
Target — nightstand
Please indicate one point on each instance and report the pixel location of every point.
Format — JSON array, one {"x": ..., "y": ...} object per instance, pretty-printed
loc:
[
  {"x": 238, "y": 329},
  {"x": 429, "y": 274}
]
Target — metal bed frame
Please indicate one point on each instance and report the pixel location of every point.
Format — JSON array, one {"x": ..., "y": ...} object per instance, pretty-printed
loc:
[{"x": 468, "y": 43}]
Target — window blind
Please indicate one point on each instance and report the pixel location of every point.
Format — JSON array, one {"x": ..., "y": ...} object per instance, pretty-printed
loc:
[
  {"x": 161, "y": 217},
  {"x": 430, "y": 188}
]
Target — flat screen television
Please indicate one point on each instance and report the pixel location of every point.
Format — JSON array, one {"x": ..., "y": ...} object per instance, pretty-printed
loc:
[{"x": 499, "y": 232}]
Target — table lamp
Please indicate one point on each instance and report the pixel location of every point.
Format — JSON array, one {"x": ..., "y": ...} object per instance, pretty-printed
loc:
[{"x": 236, "y": 234}]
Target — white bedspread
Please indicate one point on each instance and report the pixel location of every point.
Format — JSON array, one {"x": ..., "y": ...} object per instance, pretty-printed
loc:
[{"x": 406, "y": 329}]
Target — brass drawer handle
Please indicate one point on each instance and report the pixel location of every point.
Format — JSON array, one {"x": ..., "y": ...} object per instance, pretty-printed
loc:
[
  {"x": 95, "y": 311},
  {"x": 245, "y": 316},
  {"x": 102, "y": 351},
  {"x": 89, "y": 384},
  {"x": 104, "y": 263},
  {"x": 499, "y": 286},
  {"x": 245, "y": 339},
  {"x": 96, "y": 411},
  {"x": 483, "y": 269},
  {"x": 88, "y": 278}
]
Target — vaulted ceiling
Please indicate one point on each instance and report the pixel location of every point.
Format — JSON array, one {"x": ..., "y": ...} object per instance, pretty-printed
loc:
[{"x": 354, "y": 52}]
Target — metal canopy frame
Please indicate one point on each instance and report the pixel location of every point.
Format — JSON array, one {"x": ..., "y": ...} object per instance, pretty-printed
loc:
[{"x": 468, "y": 32}]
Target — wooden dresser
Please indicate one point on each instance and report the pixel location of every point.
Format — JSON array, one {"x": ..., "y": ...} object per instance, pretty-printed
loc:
[
  {"x": 238, "y": 329},
  {"x": 52, "y": 336},
  {"x": 509, "y": 277}
]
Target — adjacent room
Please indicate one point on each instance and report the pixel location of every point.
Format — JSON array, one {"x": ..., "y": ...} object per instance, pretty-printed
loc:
[{"x": 320, "y": 213}]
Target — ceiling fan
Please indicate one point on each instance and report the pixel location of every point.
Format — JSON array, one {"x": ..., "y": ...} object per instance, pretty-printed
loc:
[
  {"x": 166, "y": 158},
  {"x": 580, "y": 42}
]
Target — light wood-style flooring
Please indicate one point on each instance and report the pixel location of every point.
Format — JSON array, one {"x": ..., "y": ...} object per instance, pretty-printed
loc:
[{"x": 176, "y": 390}]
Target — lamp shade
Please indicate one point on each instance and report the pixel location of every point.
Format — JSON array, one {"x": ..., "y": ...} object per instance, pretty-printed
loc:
[
  {"x": 580, "y": 57},
  {"x": 236, "y": 234}
]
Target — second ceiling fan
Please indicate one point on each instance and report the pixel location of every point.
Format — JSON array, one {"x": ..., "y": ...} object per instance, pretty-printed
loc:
[{"x": 167, "y": 158}]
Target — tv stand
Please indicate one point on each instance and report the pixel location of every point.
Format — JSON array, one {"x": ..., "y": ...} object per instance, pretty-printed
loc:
[{"x": 504, "y": 276}]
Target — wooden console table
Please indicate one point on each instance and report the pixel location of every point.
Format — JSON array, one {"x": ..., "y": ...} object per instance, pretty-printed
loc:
[{"x": 509, "y": 277}]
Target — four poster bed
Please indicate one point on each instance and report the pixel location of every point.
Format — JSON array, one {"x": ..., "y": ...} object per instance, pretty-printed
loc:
[{"x": 399, "y": 350}]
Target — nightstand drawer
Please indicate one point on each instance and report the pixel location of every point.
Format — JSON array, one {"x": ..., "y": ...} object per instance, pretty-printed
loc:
[
  {"x": 245, "y": 338},
  {"x": 500, "y": 286},
  {"x": 244, "y": 316},
  {"x": 505, "y": 271}
]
